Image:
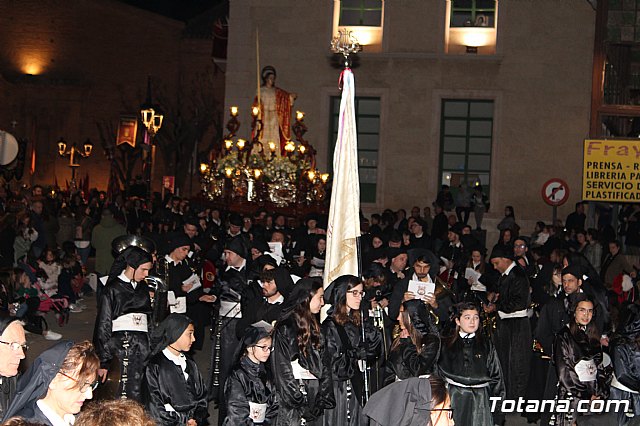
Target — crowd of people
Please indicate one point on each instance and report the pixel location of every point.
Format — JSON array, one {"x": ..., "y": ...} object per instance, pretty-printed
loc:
[{"x": 439, "y": 328}]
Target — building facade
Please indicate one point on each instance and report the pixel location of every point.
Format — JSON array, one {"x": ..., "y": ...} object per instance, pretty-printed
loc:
[{"x": 487, "y": 92}]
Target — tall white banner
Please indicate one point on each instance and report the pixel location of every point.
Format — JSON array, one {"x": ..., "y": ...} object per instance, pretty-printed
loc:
[{"x": 344, "y": 210}]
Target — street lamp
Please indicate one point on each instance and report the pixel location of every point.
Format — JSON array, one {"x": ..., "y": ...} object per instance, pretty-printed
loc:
[
  {"x": 64, "y": 150},
  {"x": 152, "y": 119}
]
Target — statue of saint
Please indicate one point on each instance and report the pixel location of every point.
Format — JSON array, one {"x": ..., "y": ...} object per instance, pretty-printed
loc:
[{"x": 275, "y": 110}]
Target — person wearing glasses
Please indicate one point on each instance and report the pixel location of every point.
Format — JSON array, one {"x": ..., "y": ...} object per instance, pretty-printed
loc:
[
  {"x": 173, "y": 390},
  {"x": 249, "y": 391},
  {"x": 57, "y": 384},
  {"x": 469, "y": 364},
  {"x": 579, "y": 360},
  {"x": 347, "y": 352},
  {"x": 302, "y": 379},
  {"x": 12, "y": 350}
]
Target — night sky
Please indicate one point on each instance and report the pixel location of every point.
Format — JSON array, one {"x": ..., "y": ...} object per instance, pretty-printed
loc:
[{"x": 182, "y": 10}]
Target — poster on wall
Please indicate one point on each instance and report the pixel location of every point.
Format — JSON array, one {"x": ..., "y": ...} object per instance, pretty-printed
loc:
[
  {"x": 611, "y": 170},
  {"x": 127, "y": 130}
]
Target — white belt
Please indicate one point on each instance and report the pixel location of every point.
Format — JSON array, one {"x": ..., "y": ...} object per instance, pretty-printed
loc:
[
  {"x": 616, "y": 384},
  {"x": 230, "y": 309},
  {"x": 517, "y": 314},
  {"x": 130, "y": 322},
  {"x": 478, "y": 386}
]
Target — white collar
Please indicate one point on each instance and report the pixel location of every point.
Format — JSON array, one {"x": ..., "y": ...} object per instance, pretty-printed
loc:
[
  {"x": 513, "y": 265},
  {"x": 53, "y": 417},
  {"x": 455, "y": 245},
  {"x": 239, "y": 268},
  {"x": 179, "y": 360},
  {"x": 126, "y": 279},
  {"x": 278, "y": 301},
  {"x": 170, "y": 260},
  {"x": 466, "y": 335}
]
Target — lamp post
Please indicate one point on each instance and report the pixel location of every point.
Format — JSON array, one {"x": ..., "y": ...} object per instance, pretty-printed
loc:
[
  {"x": 64, "y": 150},
  {"x": 152, "y": 120}
]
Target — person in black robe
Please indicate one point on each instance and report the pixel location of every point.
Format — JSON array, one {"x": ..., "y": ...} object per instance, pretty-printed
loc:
[
  {"x": 302, "y": 377},
  {"x": 186, "y": 286},
  {"x": 175, "y": 393},
  {"x": 230, "y": 289},
  {"x": 54, "y": 388},
  {"x": 415, "y": 351},
  {"x": 578, "y": 360},
  {"x": 625, "y": 356},
  {"x": 264, "y": 299},
  {"x": 469, "y": 364},
  {"x": 513, "y": 331},
  {"x": 123, "y": 319},
  {"x": 249, "y": 390},
  {"x": 347, "y": 350},
  {"x": 12, "y": 351}
]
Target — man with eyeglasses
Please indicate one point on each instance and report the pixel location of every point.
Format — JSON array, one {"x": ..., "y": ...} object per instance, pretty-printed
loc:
[{"x": 12, "y": 351}]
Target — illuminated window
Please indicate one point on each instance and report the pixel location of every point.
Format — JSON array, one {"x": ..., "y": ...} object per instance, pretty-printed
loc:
[
  {"x": 366, "y": 13},
  {"x": 368, "y": 124},
  {"x": 471, "y": 27},
  {"x": 473, "y": 13},
  {"x": 466, "y": 136},
  {"x": 363, "y": 18}
]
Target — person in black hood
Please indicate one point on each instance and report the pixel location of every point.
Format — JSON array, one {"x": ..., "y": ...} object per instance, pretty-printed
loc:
[
  {"x": 122, "y": 323},
  {"x": 174, "y": 391},
  {"x": 415, "y": 351},
  {"x": 303, "y": 381},
  {"x": 347, "y": 350},
  {"x": 264, "y": 299},
  {"x": 54, "y": 388},
  {"x": 12, "y": 351},
  {"x": 249, "y": 391}
]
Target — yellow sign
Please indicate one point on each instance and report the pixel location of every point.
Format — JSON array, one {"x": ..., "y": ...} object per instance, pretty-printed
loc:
[{"x": 611, "y": 170}]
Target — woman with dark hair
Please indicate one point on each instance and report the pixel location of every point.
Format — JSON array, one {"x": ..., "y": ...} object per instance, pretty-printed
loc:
[
  {"x": 174, "y": 392},
  {"x": 249, "y": 392},
  {"x": 317, "y": 256},
  {"x": 578, "y": 358},
  {"x": 469, "y": 364},
  {"x": 415, "y": 351},
  {"x": 56, "y": 385},
  {"x": 124, "y": 311},
  {"x": 346, "y": 350},
  {"x": 303, "y": 383}
]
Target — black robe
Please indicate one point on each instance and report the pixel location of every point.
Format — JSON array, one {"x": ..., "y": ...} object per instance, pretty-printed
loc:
[
  {"x": 120, "y": 298},
  {"x": 513, "y": 335},
  {"x": 225, "y": 342},
  {"x": 404, "y": 361},
  {"x": 472, "y": 362},
  {"x": 7, "y": 392},
  {"x": 199, "y": 312},
  {"x": 165, "y": 384},
  {"x": 299, "y": 398},
  {"x": 569, "y": 350},
  {"x": 248, "y": 382},
  {"x": 348, "y": 380}
]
